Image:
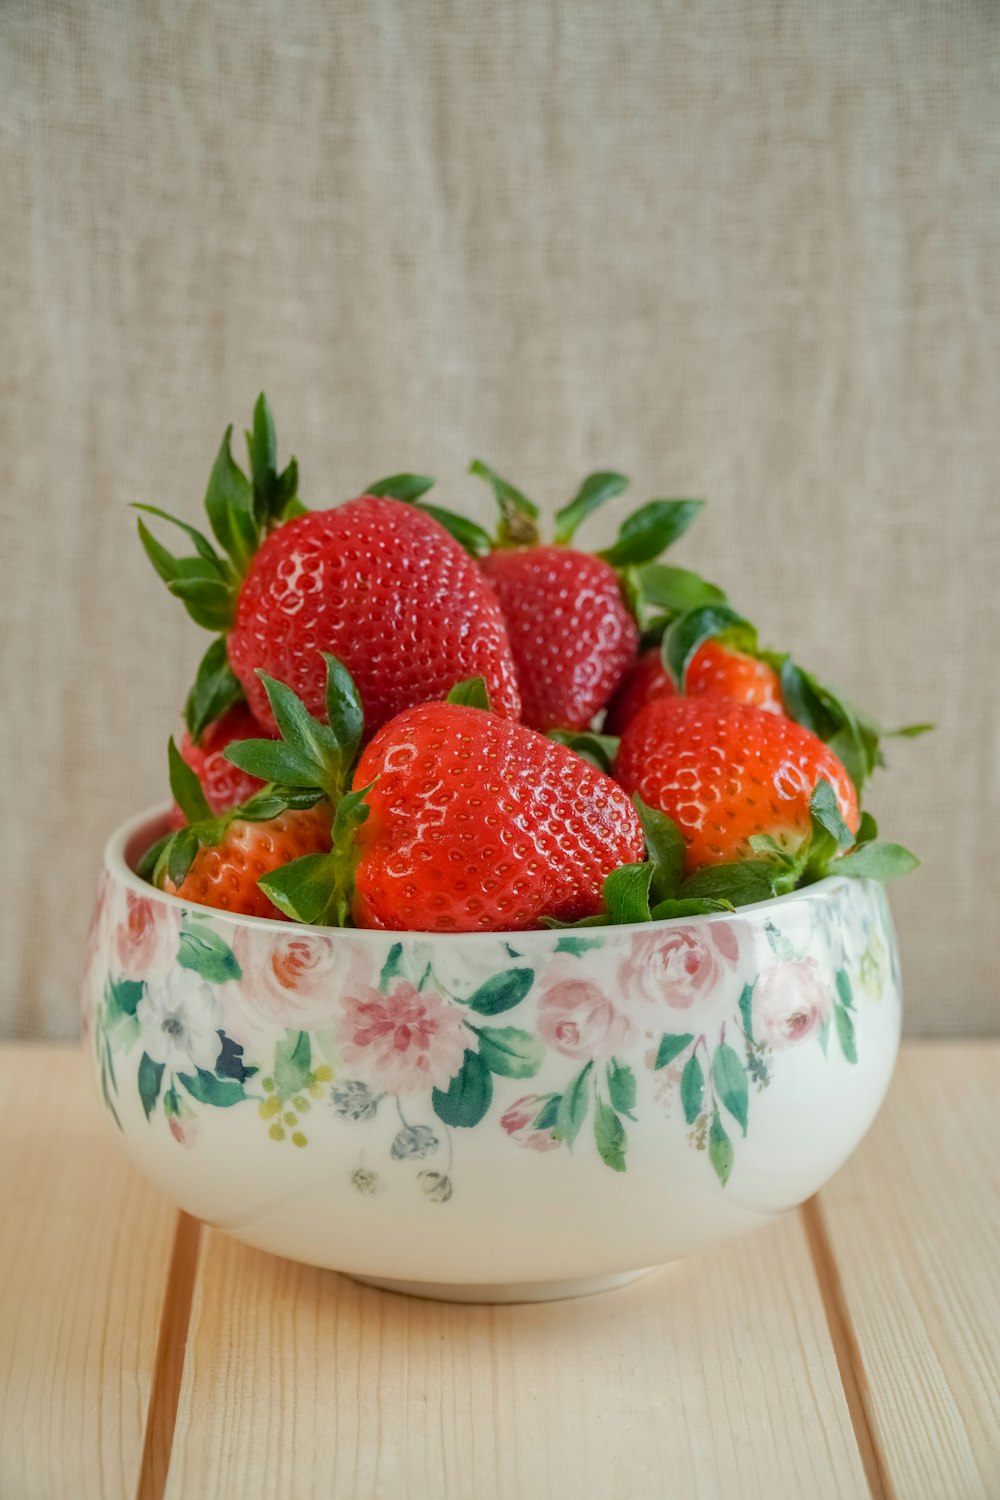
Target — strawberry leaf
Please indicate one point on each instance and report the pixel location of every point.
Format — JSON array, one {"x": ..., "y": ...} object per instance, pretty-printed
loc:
[
  {"x": 262, "y": 450},
  {"x": 740, "y": 884},
  {"x": 599, "y": 750},
  {"x": 216, "y": 689},
  {"x": 201, "y": 543},
  {"x": 908, "y": 731},
  {"x": 626, "y": 894},
  {"x": 518, "y": 514},
  {"x": 208, "y": 601},
  {"x": 476, "y": 541},
  {"x": 316, "y": 749},
  {"x": 273, "y": 760},
  {"x": 875, "y": 861},
  {"x": 665, "y": 849},
  {"x": 180, "y": 854},
  {"x": 405, "y": 487},
  {"x": 229, "y": 504},
  {"x": 692, "y": 906},
  {"x": 186, "y": 788},
  {"x": 312, "y": 889},
  {"x": 650, "y": 530},
  {"x": 696, "y": 626},
  {"x": 344, "y": 713},
  {"x": 595, "y": 491},
  {"x": 472, "y": 693},
  {"x": 825, "y": 811},
  {"x": 672, "y": 591}
]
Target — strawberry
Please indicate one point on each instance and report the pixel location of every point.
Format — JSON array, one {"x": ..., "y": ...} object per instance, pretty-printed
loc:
[
  {"x": 571, "y": 631},
  {"x": 223, "y": 784},
  {"x": 715, "y": 669},
  {"x": 458, "y": 820},
  {"x": 377, "y": 580},
  {"x": 728, "y": 773},
  {"x": 218, "y": 860}
]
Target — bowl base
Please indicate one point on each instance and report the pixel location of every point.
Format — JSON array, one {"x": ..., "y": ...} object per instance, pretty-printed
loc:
[{"x": 518, "y": 1291}]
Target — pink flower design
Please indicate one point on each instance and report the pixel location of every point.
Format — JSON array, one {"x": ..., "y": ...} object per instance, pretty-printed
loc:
[
  {"x": 290, "y": 979},
  {"x": 145, "y": 943},
  {"x": 519, "y": 1118},
  {"x": 404, "y": 1042},
  {"x": 579, "y": 1020},
  {"x": 680, "y": 965},
  {"x": 790, "y": 1002}
]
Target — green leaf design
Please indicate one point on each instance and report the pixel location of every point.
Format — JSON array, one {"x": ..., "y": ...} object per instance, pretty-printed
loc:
[
  {"x": 186, "y": 788},
  {"x": 509, "y": 1051},
  {"x": 573, "y": 1107},
  {"x": 595, "y": 491},
  {"x": 730, "y": 1079},
  {"x": 878, "y": 861},
  {"x": 121, "y": 998},
  {"x": 692, "y": 1088},
  {"x": 720, "y": 1149},
  {"x": 746, "y": 1010},
  {"x": 518, "y": 514},
  {"x": 692, "y": 629},
  {"x": 548, "y": 1114},
  {"x": 292, "y": 1061},
  {"x": 150, "y": 1077},
  {"x": 405, "y": 487},
  {"x": 207, "y": 954},
  {"x": 844, "y": 989},
  {"x": 578, "y": 945},
  {"x": 392, "y": 967},
  {"x": 222, "y": 1093},
  {"x": 609, "y": 1134},
  {"x": 845, "y": 1033},
  {"x": 665, "y": 849},
  {"x": 780, "y": 945},
  {"x": 621, "y": 1087},
  {"x": 626, "y": 894},
  {"x": 741, "y": 884},
  {"x": 671, "y": 1046},
  {"x": 216, "y": 689},
  {"x": 501, "y": 992},
  {"x": 650, "y": 530},
  {"x": 472, "y": 693},
  {"x": 468, "y": 1096}
]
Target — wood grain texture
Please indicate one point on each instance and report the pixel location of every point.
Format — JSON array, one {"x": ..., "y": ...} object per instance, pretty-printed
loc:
[
  {"x": 913, "y": 1225},
  {"x": 84, "y": 1253},
  {"x": 713, "y": 1377}
]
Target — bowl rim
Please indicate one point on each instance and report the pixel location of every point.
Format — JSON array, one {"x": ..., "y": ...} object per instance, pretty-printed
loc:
[{"x": 118, "y": 868}]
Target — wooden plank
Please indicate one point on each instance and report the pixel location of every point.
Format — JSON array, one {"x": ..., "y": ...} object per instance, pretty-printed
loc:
[
  {"x": 713, "y": 1377},
  {"x": 913, "y": 1226},
  {"x": 85, "y": 1249}
]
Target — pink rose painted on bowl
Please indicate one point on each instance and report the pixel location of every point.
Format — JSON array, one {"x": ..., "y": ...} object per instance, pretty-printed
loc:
[
  {"x": 146, "y": 940},
  {"x": 790, "y": 1003},
  {"x": 679, "y": 966},
  {"x": 578, "y": 1019},
  {"x": 405, "y": 1042},
  {"x": 521, "y": 1122},
  {"x": 290, "y": 980}
]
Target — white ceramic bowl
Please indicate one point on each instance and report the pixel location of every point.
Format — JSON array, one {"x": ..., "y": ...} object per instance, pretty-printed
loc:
[{"x": 489, "y": 1116}]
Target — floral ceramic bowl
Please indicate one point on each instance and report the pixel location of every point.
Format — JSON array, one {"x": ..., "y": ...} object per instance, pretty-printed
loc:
[{"x": 489, "y": 1116}]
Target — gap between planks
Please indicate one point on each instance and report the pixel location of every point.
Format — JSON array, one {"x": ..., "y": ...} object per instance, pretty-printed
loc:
[
  {"x": 171, "y": 1347},
  {"x": 845, "y": 1346}
]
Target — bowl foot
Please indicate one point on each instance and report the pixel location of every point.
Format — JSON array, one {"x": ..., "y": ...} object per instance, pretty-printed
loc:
[{"x": 518, "y": 1291}]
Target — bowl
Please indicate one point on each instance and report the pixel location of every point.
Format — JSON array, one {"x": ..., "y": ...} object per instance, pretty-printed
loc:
[{"x": 483, "y": 1116}]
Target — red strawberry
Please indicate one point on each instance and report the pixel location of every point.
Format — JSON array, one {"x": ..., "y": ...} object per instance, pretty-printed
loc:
[
  {"x": 377, "y": 581},
  {"x": 570, "y": 632},
  {"x": 715, "y": 668},
  {"x": 226, "y": 874},
  {"x": 725, "y": 771},
  {"x": 223, "y": 783},
  {"x": 477, "y": 824}
]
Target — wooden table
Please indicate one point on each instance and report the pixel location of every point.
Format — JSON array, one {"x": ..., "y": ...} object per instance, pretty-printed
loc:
[{"x": 851, "y": 1349}]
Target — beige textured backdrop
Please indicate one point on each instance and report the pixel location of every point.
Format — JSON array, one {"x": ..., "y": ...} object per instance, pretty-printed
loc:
[{"x": 746, "y": 251}]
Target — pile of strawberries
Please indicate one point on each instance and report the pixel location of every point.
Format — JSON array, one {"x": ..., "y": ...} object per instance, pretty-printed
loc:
[{"x": 402, "y": 722}]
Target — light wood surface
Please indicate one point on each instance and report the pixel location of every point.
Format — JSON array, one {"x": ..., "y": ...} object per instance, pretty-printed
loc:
[
  {"x": 85, "y": 1248},
  {"x": 850, "y": 1350}
]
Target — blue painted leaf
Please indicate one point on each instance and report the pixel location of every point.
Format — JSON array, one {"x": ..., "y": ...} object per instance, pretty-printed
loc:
[
  {"x": 150, "y": 1078},
  {"x": 208, "y": 954},
  {"x": 469, "y": 1095},
  {"x": 502, "y": 992},
  {"x": 609, "y": 1133},
  {"x": 692, "y": 1088},
  {"x": 730, "y": 1079},
  {"x": 229, "y": 1063}
]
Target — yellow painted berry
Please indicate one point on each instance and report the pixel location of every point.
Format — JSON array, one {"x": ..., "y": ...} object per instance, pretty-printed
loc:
[
  {"x": 298, "y": 1139},
  {"x": 270, "y": 1107},
  {"x": 323, "y": 1073},
  {"x": 276, "y": 1132},
  {"x": 300, "y": 1104},
  {"x": 290, "y": 1118},
  {"x": 267, "y": 1084},
  {"x": 315, "y": 1091}
]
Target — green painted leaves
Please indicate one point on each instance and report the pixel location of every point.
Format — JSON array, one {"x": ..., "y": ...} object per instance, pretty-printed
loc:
[
  {"x": 692, "y": 1088},
  {"x": 730, "y": 1081},
  {"x": 720, "y": 1149},
  {"x": 207, "y": 954},
  {"x": 468, "y": 1096},
  {"x": 510, "y": 1052},
  {"x": 292, "y": 1063},
  {"x": 573, "y": 1106},
  {"x": 610, "y": 1137},
  {"x": 672, "y": 1046},
  {"x": 621, "y": 1087},
  {"x": 843, "y": 1021},
  {"x": 150, "y": 1076},
  {"x": 501, "y": 992}
]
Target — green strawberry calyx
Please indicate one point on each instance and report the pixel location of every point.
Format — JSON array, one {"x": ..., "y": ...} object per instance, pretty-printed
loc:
[
  {"x": 852, "y": 735},
  {"x": 172, "y": 856},
  {"x": 241, "y": 511}
]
